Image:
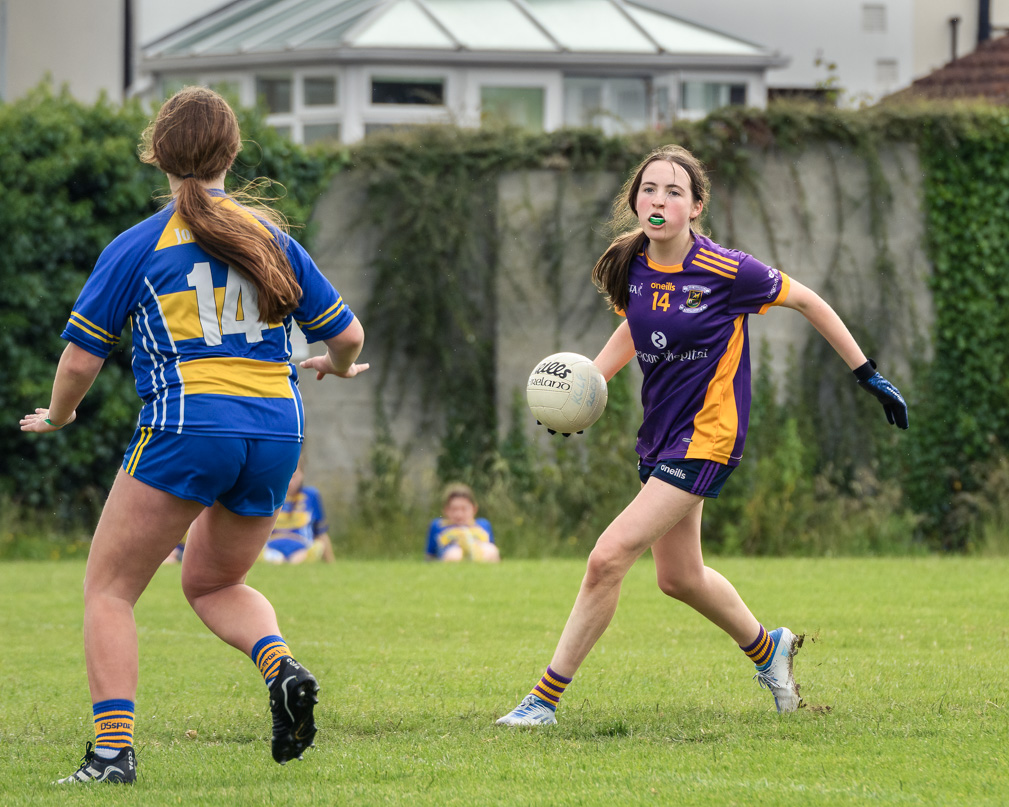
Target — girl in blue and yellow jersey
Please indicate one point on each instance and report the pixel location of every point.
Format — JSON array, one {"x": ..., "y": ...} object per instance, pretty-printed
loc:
[
  {"x": 459, "y": 534},
  {"x": 211, "y": 286},
  {"x": 686, "y": 301},
  {"x": 302, "y": 532}
]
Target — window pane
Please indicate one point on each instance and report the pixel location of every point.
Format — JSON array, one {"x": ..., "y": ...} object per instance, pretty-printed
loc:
[
  {"x": 874, "y": 17},
  {"x": 630, "y": 104},
  {"x": 706, "y": 96},
  {"x": 275, "y": 93},
  {"x": 284, "y": 130},
  {"x": 515, "y": 106},
  {"x": 373, "y": 128},
  {"x": 320, "y": 91},
  {"x": 320, "y": 132},
  {"x": 408, "y": 91},
  {"x": 583, "y": 101}
]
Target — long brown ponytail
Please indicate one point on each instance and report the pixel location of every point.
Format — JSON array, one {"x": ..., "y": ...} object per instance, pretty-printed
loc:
[
  {"x": 612, "y": 269},
  {"x": 196, "y": 138}
]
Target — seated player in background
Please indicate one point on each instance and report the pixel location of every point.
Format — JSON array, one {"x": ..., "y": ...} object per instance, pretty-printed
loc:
[
  {"x": 459, "y": 534},
  {"x": 301, "y": 533}
]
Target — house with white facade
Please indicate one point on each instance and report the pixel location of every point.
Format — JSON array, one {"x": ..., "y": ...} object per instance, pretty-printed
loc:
[{"x": 340, "y": 69}]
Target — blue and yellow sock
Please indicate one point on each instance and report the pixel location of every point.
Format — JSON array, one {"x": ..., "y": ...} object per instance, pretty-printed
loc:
[
  {"x": 762, "y": 650},
  {"x": 113, "y": 727},
  {"x": 267, "y": 654},
  {"x": 550, "y": 688}
]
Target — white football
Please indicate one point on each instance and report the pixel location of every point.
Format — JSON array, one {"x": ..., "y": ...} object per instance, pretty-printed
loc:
[{"x": 566, "y": 392}]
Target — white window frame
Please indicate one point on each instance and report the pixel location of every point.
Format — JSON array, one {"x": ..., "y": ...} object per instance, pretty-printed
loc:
[
  {"x": 756, "y": 90},
  {"x": 405, "y": 114},
  {"x": 549, "y": 81}
]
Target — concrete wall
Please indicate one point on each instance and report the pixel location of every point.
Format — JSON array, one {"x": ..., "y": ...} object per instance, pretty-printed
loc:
[
  {"x": 77, "y": 43},
  {"x": 810, "y": 216}
]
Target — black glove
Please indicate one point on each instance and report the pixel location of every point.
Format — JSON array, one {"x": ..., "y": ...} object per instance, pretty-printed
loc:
[{"x": 885, "y": 392}]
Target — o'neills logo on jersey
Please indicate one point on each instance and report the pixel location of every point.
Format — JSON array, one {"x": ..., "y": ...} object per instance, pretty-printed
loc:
[
  {"x": 664, "y": 286},
  {"x": 776, "y": 276},
  {"x": 695, "y": 295}
]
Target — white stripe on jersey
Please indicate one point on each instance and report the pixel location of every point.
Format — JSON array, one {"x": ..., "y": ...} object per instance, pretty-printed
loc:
[{"x": 174, "y": 350}]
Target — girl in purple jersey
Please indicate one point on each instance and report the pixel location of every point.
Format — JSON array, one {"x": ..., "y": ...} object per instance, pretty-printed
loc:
[
  {"x": 247, "y": 281},
  {"x": 686, "y": 301}
]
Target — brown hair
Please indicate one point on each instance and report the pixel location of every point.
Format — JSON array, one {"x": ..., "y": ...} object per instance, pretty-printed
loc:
[
  {"x": 611, "y": 270},
  {"x": 458, "y": 490},
  {"x": 196, "y": 137}
]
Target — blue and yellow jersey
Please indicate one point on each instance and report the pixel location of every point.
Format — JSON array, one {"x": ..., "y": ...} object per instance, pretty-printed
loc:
[
  {"x": 301, "y": 519},
  {"x": 689, "y": 326},
  {"x": 203, "y": 361},
  {"x": 443, "y": 533}
]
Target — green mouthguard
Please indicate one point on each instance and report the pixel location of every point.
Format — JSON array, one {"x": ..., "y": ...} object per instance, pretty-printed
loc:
[{"x": 656, "y": 220}]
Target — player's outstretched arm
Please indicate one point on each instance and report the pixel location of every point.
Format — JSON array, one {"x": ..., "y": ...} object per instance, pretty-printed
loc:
[
  {"x": 822, "y": 317},
  {"x": 617, "y": 351},
  {"x": 75, "y": 374},
  {"x": 342, "y": 350}
]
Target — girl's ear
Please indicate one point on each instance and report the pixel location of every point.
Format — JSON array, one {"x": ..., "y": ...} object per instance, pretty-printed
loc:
[{"x": 698, "y": 207}]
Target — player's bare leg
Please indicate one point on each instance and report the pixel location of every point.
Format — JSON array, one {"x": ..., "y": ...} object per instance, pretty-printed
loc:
[
  {"x": 681, "y": 574},
  {"x": 652, "y": 513},
  {"x": 138, "y": 527},
  {"x": 220, "y": 550}
]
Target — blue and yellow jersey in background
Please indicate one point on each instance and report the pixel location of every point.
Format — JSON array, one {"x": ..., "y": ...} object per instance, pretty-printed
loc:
[
  {"x": 203, "y": 361},
  {"x": 443, "y": 533},
  {"x": 301, "y": 519}
]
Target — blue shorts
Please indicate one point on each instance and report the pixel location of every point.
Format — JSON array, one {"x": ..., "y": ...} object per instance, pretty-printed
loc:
[
  {"x": 700, "y": 477},
  {"x": 286, "y": 546},
  {"x": 248, "y": 476}
]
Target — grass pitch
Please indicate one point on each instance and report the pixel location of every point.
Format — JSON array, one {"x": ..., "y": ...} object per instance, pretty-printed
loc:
[{"x": 905, "y": 671}]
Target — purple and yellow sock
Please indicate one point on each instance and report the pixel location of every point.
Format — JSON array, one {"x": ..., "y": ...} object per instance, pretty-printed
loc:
[
  {"x": 113, "y": 727},
  {"x": 550, "y": 688},
  {"x": 762, "y": 649},
  {"x": 267, "y": 654}
]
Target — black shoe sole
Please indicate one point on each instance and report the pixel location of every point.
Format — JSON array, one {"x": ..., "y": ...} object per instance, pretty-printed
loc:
[{"x": 302, "y": 700}]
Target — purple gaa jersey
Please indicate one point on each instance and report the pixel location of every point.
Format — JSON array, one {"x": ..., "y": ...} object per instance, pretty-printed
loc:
[{"x": 688, "y": 323}]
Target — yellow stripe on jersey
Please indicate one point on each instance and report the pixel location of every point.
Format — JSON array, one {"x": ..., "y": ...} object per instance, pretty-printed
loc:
[
  {"x": 722, "y": 260},
  {"x": 247, "y": 378},
  {"x": 703, "y": 262},
  {"x": 145, "y": 437},
  {"x": 716, "y": 425},
  {"x": 782, "y": 294},
  {"x": 333, "y": 311},
  {"x": 87, "y": 325}
]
